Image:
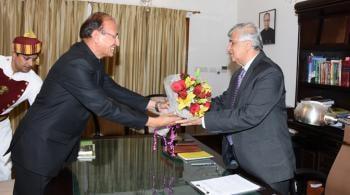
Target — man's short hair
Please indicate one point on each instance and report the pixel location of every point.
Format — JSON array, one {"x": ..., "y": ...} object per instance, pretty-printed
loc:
[
  {"x": 93, "y": 22},
  {"x": 248, "y": 31},
  {"x": 267, "y": 14}
]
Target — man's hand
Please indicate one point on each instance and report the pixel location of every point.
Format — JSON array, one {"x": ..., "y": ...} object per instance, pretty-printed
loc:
[
  {"x": 188, "y": 122},
  {"x": 162, "y": 107},
  {"x": 158, "y": 106},
  {"x": 163, "y": 120}
]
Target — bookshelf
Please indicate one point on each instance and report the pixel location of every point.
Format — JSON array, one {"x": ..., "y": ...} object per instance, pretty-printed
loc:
[{"x": 324, "y": 30}]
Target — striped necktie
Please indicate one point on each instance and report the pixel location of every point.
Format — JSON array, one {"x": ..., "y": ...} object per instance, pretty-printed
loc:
[{"x": 237, "y": 84}]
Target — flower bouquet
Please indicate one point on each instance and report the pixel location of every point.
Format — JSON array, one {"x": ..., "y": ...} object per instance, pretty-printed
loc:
[{"x": 188, "y": 97}]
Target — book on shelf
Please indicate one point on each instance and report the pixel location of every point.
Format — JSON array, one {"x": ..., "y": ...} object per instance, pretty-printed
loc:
[
  {"x": 341, "y": 112},
  {"x": 332, "y": 71},
  {"x": 345, "y": 72},
  {"x": 87, "y": 150},
  {"x": 335, "y": 72},
  {"x": 225, "y": 185},
  {"x": 194, "y": 155}
]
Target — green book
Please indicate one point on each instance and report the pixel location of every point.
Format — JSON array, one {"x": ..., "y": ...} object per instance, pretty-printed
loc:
[{"x": 87, "y": 150}]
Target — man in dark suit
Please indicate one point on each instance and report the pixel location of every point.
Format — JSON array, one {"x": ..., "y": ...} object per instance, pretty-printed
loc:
[
  {"x": 48, "y": 137},
  {"x": 252, "y": 113},
  {"x": 268, "y": 33}
]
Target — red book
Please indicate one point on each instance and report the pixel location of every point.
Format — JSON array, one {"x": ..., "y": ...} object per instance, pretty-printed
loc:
[
  {"x": 186, "y": 147},
  {"x": 345, "y": 72}
]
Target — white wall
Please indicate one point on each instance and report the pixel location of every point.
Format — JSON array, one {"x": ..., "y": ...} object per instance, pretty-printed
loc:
[{"x": 284, "y": 52}]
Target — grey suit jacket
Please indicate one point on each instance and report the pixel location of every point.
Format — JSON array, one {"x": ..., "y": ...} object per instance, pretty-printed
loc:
[
  {"x": 257, "y": 121},
  {"x": 48, "y": 136}
]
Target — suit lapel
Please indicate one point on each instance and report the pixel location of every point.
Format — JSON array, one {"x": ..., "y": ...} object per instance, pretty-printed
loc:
[{"x": 249, "y": 74}]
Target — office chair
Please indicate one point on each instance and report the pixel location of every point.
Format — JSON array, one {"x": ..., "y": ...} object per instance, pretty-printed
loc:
[{"x": 337, "y": 179}]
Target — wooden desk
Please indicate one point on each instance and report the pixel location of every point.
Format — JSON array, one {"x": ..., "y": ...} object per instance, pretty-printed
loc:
[{"x": 127, "y": 165}]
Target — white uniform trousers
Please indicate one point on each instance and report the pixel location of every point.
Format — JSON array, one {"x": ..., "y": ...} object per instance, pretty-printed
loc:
[{"x": 5, "y": 139}]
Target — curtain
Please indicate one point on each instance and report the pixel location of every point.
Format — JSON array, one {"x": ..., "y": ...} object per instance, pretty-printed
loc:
[
  {"x": 166, "y": 48},
  {"x": 58, "y": 31},
  {"x": 55, "y": 22},
  {"x": 152, "y": 45},
  {"x": 11, "y": 24}
]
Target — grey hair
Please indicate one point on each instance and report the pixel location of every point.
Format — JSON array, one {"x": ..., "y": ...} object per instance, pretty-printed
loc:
[{"x": 248, "y": 32}]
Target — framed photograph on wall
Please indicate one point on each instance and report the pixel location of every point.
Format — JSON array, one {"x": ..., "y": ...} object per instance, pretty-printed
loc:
[{"x": 267, "y": 25}]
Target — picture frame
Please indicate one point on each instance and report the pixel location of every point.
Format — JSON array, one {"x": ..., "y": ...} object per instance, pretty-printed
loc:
[{"x": 267, "y": 26}]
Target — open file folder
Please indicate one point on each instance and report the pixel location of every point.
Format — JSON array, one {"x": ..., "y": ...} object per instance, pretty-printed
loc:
[{"x": 226, "y": 185}]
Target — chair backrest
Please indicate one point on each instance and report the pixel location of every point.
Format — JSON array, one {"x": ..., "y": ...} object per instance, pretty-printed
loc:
[{"x": 337, "y": 180}]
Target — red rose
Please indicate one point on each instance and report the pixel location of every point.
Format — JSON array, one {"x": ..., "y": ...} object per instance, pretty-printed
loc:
[
  {"x": 194, "y": 108},
  {"x": 208, "y": 94},
  {"x": 182, "y": 94},
  {"x": 197, "y": 90},
  {"x": 178, "y": 86},
  {"x": 207, "y": 104},
  {"x": 202, "y": 95}
]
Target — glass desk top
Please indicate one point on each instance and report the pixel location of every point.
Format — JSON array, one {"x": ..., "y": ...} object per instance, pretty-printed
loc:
[{"x": 128, "y": 165}]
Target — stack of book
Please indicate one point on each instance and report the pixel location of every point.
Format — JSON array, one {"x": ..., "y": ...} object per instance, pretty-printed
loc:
[
  {"x": 341, "y": 112},
  {"x": 189, "y": 150},
  {"x": 194, "y": 155},
  {"x": 86, "y": 151}
]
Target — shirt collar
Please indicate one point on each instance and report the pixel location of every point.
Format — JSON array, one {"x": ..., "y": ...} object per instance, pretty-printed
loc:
[{"x": 247, "y": 65}]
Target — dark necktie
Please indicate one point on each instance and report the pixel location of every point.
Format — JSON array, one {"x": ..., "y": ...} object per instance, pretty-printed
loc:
[{"x": 237, "y": 84}]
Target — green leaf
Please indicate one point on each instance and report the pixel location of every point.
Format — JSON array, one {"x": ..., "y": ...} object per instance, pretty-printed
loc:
[{"x": 197, "y": 73}]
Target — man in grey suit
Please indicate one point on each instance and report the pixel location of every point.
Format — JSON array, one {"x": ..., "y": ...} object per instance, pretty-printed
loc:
[
  {"x": 252, "y": 113},
  {"x": 48, "y": 137}
]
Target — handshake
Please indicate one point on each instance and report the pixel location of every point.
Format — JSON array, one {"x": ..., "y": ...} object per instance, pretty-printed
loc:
[{"x": 166, "y": 117}]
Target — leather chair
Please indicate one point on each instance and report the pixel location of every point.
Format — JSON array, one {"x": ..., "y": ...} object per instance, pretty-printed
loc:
[{"x": 337, "y": 182}]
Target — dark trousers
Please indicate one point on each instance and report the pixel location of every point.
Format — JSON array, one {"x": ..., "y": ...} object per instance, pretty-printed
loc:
[
  {"x": 29, "y": 183},
  {"x": 228, "y": 155},
  {"x": 281, "y": 187}
]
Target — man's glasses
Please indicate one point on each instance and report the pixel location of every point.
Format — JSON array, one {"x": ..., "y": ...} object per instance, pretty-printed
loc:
[{"x": 103, "y": 32}]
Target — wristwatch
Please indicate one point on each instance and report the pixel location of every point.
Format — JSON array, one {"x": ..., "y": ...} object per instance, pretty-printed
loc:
[{"x": 156, "y": 107}]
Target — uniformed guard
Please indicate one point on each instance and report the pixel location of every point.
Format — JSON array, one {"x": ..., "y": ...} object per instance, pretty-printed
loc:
[{"x": 18, "y": 83}]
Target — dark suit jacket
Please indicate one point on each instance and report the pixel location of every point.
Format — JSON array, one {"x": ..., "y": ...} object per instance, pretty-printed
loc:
[
  {"x": 258, "y": 121},
  {"x": 49, "y": 134},
  {"x": 268, "y": 36}
]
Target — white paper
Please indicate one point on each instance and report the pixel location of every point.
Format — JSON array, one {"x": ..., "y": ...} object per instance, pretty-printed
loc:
[{"x": 226, "y": 185}]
